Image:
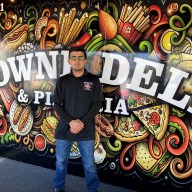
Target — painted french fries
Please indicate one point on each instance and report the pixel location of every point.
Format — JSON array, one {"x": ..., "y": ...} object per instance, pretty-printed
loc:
[
  {"x": 133, "y": 22},
  {"x": 69, "y": 26}
]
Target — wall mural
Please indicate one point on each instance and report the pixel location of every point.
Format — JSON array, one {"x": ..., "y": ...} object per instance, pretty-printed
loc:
[{"x": 142, "y": 52}]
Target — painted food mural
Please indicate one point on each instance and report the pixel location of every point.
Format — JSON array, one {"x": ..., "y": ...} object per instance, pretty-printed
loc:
[{"x": 142, "y": 53}]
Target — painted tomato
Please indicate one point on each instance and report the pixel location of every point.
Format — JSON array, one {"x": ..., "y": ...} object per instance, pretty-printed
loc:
[
  {"x": 154, "y": 119},
  {"x": 40, "y": 142},
  {"x": 136, "y": 96},
  {"x": 123, "y": 93}
]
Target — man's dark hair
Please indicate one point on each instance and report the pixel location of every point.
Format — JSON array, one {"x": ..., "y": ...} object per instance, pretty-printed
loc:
[{"x": 78, "y": 50}]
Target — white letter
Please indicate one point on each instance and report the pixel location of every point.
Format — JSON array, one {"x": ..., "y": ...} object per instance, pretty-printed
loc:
[
  {"x": 123, "y": 70},
  {"x": 22, "y": 69},
  {"x": 5, "y": 73},
  {"x": 43, "y": 59},
  {"x": 121, "y": 106},
  {"x": 140, "y": 74},
  {"x": 172, "y": 86},
  {"x": 189, "y": 109},
  {"x": 108, "y": 105},
  {"x": 66, "y": 66},
  {"x": 38, "y": 95},
  {"x": 48, "y": 98}
]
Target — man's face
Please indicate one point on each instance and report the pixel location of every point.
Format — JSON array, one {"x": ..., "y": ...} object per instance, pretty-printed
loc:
[{"x": 77, "y": 61}]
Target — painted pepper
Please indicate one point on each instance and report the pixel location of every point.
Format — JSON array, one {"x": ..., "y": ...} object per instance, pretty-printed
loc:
[{"x": 83, "y": 39}]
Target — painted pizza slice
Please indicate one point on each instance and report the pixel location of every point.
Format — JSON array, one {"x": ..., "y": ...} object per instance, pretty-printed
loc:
[
  {"x": 155, "y": 119},
  {"x": 150, "y": 165},
  {"x": 136, "y": 100},
  {"x": 130, "y": 129}
]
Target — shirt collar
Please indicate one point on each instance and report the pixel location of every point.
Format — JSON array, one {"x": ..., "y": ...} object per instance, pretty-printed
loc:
[{"x": 85, "y": 72}]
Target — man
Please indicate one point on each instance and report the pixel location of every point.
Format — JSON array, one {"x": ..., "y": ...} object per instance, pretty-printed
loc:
[{"x": 77, "y": 99}]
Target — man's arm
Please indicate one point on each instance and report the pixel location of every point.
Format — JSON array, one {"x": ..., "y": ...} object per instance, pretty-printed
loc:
[
  {"x": 75, "y": 125},
  {"x": 97, "y": 104},
  {"x": 58, "y": 103},
  {"x": 92, "y": 112}
]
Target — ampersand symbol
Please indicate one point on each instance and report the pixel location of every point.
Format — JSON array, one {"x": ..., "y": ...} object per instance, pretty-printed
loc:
[{"x": 22, "y": 97}]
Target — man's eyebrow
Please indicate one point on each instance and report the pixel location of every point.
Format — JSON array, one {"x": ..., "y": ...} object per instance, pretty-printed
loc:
[{"x": 76, "y": 56}]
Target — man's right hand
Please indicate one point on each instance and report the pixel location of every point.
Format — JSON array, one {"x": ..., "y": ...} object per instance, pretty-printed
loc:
[{"x": 76, "y": 126}]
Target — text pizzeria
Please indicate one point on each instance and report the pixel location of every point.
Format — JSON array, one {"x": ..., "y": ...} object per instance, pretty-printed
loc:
[{"x": 142, "y": 75}]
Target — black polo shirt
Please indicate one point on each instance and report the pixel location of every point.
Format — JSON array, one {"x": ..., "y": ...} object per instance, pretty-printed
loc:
[{"x": 77, "y": 98}]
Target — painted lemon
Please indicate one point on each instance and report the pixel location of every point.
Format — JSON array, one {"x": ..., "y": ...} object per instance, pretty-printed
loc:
[{"x": 165, "y": 41}]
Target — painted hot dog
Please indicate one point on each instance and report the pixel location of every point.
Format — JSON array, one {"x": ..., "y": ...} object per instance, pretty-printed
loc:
[
  {"x": 16, "y": 37},
  {"x": 24, "y": 118},
  {"x": 103, "y": 126},
  {"x": 17, "y": 115}
]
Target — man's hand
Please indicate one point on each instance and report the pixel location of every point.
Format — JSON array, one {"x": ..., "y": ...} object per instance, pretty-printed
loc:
[{"x": 76, "y": 126}]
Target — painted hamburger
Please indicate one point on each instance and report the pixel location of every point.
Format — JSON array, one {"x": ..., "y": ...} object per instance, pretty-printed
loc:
[{"x": 48, "y": 129}]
